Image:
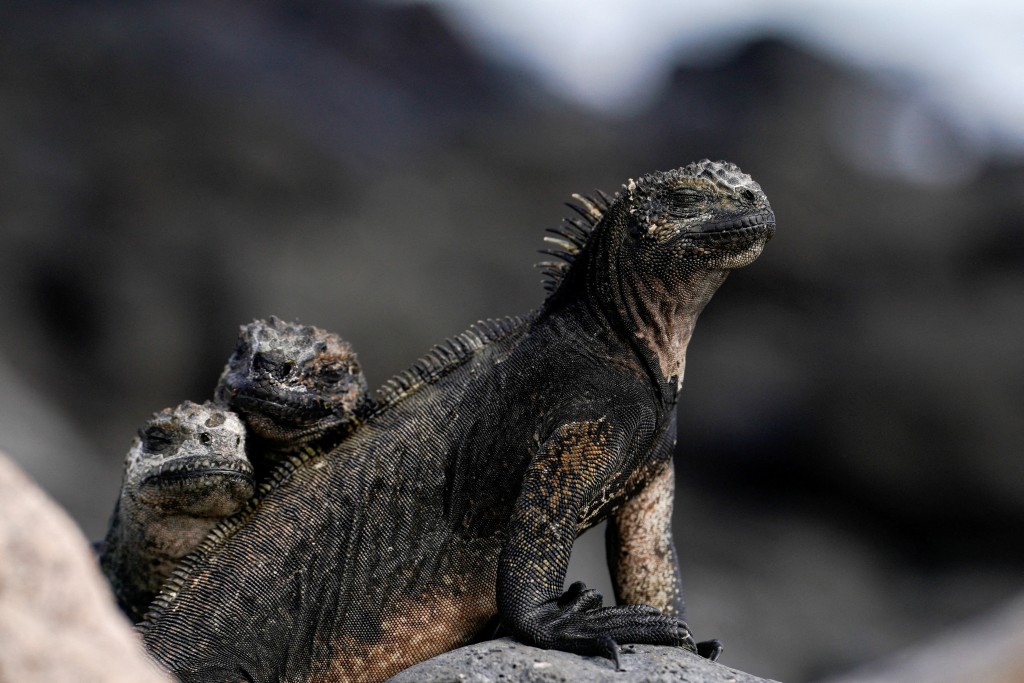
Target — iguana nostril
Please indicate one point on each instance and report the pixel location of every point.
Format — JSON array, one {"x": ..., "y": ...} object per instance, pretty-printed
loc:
[{"x": 205, "y": 438}]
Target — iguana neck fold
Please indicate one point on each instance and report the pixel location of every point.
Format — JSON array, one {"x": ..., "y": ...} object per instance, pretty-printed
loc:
[{"x": 651, "y": 258}]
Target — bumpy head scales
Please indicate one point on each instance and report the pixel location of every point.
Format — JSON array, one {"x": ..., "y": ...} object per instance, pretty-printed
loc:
[
  {"x": 710, "y": 212},
  {"x": 291, "y": 381},
  {"x": 702, "y": 198},
  {"x": 190, "y": 456}
]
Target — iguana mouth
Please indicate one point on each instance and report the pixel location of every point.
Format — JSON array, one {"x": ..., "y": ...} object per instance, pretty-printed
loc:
[
  {"x": 186, "y": 467},
  {"x": 267, "y": 427},
  {"x": 289, "y": 413},
  {"x": 752, "y": 225}
]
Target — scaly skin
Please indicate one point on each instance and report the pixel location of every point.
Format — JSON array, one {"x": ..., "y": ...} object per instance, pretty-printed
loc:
[
  {"x": 460, "y": 494},
  {"x": 292, "y": 384},
  {"x": 186, "y": 471}
]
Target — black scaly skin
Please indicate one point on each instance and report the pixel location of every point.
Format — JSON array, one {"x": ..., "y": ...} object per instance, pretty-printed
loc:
[
  {"x": 292, "y": 385},
  {"x": 193, "y": 466},
  {"x": 461, "y": 493}
]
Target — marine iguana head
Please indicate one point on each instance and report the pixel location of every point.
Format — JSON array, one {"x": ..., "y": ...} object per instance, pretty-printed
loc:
[
  {"x": 651, "y": 256},
  {"x": 705, "y": 216},
  {"x": 291, "y": 382},
  {"x": 190, "y": 460}
]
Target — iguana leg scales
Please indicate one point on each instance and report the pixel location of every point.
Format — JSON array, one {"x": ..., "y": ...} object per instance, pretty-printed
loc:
[{"x": 573, "y": 462}]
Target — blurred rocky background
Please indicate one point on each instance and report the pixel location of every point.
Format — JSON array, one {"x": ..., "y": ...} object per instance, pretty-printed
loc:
[{"x": 851, "y": 480}]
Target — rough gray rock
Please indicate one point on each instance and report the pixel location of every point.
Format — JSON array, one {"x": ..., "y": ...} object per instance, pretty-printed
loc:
[
  {"x": 58, "y": 621},
  {"x": 509, "y": 661}
]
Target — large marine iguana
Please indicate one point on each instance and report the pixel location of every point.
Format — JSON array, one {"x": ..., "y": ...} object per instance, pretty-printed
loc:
[
  {"x": 462, "y": 492},
  {"x": 192, "y": 466}
]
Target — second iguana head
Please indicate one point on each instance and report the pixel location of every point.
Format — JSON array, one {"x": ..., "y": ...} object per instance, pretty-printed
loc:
[{"x": 291, "y": 383}]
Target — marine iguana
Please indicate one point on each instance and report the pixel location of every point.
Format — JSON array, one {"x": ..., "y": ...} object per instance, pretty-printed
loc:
[
  {"x": 291, "y": 384},
  {"x": 461, "y": 493},
  {"x": 186, "y": 471}
]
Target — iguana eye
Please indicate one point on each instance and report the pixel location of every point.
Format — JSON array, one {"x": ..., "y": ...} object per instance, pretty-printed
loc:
[
  {"x": 156, "y": 440},
  {"x": 273, "y": 367},
  {"x": 686, "y": 195},
  {"x": 333, "y": 375}
]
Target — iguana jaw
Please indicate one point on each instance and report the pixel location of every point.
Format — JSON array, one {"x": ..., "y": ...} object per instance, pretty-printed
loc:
[
  {"x": 291, "y": 383},
  {"x": 204, "y": 479},
  {"x": 286, "y": 424},
  {"x": 732, "y": 243}
]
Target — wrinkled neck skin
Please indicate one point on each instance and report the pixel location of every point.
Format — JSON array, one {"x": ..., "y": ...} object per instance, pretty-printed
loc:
[
  {"x": 660, "y": 317},
  {"x": 142, "y": 548},
  {"x": 655, "y": 314}
]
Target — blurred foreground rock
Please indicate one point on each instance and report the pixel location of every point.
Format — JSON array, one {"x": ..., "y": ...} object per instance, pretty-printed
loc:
[
  {"x": 58, "y": 622},
  {"x": 507, "y": 660}
]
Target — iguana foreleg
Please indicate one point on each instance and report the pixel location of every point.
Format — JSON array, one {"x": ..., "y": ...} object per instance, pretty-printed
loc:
[
  {"x": 565, "y": 477},
  {"x": 642, "y": 556}
]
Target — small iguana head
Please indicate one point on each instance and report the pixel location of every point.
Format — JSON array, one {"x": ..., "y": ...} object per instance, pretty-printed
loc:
[
  {"x": 708, "y": 215},
  {"x": 291, "y": 382},
  {"x": 190, "y": 460}
]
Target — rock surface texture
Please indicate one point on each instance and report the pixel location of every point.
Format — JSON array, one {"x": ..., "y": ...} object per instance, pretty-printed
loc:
[
  {"x": 507, "y": 660},
  {"x": 58, "y": 622}
]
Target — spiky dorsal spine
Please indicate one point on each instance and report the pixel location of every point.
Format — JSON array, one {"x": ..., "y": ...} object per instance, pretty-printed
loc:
[
  {"x": 569, "y": 238},
  {"x": 440, "y": 360},
  {"x": 444, "y": 357}
]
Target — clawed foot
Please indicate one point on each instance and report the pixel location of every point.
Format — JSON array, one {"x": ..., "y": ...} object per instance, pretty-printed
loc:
[{"x": 577, "y": 622}]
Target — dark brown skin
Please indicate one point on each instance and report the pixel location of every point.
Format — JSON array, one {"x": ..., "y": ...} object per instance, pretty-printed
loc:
[{"x": 460, "y": 494}]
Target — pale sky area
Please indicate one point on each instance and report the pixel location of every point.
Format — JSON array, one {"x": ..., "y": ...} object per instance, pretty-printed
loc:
[{"x": 965, "y": 56}]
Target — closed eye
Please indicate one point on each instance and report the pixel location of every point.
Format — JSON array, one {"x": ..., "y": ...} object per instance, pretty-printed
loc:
[
  {"x": 686, "y": 195},
  {"x": 333, "y": 375},
  {"x": 156, "y": 440}
]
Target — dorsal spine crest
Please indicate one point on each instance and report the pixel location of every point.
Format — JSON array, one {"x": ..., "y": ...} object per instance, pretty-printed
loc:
[
  {"x": 444, "y": 357},
  {"x": 571, "y": 236}
]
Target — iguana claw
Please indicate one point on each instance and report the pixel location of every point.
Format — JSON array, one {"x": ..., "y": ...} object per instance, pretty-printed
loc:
[{"x": 710, "y": 649}]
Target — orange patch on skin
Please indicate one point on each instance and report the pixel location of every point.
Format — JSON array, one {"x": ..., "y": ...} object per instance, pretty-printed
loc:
[{"x": 413, "y": 631}]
